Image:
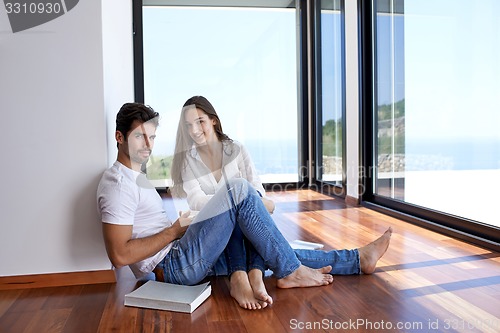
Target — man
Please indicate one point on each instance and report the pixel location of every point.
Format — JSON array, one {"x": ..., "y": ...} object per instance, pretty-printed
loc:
[{"x": 138, "y": 233}]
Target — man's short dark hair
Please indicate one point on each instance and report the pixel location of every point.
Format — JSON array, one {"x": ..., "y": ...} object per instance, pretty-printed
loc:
[{"x": 134, "y": 111}]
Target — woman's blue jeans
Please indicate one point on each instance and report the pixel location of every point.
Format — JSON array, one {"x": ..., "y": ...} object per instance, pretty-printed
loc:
[
  {"x": 200, "y": 252},
  {"x": 241, "y": 255}
]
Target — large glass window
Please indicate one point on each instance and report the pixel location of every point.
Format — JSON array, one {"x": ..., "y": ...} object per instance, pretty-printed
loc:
[
  {"x": 330, "y": 97},
  {"x": 436, "y": 121},
  {"x": 243, "y": 60}
]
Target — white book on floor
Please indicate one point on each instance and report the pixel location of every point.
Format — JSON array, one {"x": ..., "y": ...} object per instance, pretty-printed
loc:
[
  {"x": 303, "y": 245},
  {"x": 167, "y": 296}
]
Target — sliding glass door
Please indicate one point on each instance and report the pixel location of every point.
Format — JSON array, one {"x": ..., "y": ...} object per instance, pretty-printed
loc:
[{"x": 435, "y": 118}]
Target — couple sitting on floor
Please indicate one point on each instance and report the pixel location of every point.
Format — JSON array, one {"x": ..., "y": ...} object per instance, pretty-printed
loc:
[{"x": 232, "y": 233}]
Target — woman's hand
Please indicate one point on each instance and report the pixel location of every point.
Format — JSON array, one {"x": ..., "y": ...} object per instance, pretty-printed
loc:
[
  {"x": 185, "y": 218},
  {"x": 269, "y": 204}
]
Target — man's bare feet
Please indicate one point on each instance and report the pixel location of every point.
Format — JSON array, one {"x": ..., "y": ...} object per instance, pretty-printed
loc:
[
  {"x": 306, "y": 277},
  {"x": 242, "y": 292},
  {"x": 371, "y": 253},
  {"x": 256, "y": 279}
]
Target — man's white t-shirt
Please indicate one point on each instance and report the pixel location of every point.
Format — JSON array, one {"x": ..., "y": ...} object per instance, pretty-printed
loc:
[{"x": 125, "y": 197}]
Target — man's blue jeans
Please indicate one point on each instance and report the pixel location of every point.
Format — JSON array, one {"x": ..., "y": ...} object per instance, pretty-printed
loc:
[{"x": 200, "y": 252}]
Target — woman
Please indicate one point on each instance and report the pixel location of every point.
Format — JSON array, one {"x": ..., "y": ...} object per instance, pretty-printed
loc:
[
  {"x": 205, "y": 159},
  {"x": 215, "y": 149}
]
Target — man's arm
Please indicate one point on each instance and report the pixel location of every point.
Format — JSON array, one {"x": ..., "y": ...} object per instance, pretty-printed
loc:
[{"x": 123, "y": 250}]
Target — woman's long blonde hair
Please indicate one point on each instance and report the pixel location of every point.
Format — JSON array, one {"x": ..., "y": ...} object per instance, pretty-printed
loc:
[{"x": 184, "y": 143}]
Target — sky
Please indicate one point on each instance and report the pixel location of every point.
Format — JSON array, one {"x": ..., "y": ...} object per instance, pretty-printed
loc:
[{"x": 452, "y": 69}]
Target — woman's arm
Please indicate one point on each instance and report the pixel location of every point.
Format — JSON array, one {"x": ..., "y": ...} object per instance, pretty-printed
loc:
[
  {"x": 250, "y": 173},
  {"x": 197, "y": 198}
]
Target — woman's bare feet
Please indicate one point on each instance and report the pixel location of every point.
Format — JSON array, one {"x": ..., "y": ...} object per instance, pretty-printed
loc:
[
  {"x": 306, "y": 277},
  {"x": 242, "y": 292},
  {"x": 371, "y": 253},
  {"x": 256, "y": 279}
]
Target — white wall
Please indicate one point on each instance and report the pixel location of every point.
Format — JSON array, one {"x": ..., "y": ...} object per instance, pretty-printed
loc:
[
  {"x": 118, "y": 63},
  {"x": 54, "y": 143}
]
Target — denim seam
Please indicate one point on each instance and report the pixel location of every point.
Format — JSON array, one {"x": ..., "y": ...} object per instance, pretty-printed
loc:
[
  {"x": 179, "y": 276},
  {"x": 236, "y": 268},
  {"x": 259, "y": 267}
]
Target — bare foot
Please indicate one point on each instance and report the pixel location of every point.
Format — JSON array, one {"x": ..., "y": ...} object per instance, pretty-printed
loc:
[
  {"x": 306, "y": 277},
  {"x": 371, "y": 253},
  {"x": 255, "y": 277},
  {"x": 242, "y": 292}
]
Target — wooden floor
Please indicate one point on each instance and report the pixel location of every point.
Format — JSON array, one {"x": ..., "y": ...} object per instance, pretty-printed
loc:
[{"x": 426, "y": 282}]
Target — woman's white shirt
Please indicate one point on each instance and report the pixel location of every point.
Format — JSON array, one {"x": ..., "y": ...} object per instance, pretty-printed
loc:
[{"x": 200, "y": 184}]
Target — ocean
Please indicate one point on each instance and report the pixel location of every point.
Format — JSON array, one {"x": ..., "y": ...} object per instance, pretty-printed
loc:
[{"x": 480, "y": 154}]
